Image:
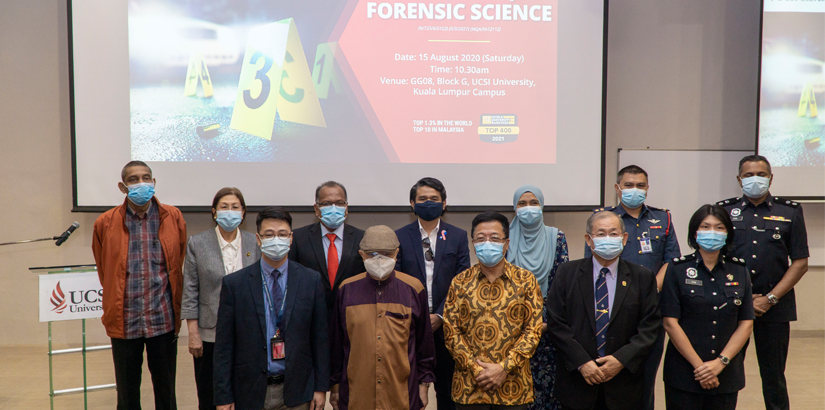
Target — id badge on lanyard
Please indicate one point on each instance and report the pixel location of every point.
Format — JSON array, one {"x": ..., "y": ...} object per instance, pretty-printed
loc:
[
  {"x": 645, "y": 243},
  {"x": 276, "y": 345}
]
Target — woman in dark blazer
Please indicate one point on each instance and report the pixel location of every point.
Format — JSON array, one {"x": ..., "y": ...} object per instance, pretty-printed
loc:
[
  {"x": 211, "y": 255},
  {"x": 707, "y": 309}
]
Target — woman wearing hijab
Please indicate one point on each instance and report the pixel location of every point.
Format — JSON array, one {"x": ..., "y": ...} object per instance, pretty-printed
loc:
[{"x": 540, "y": 249}]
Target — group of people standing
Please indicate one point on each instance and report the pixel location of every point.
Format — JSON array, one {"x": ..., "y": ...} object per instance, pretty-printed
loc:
[{"x": 283, "y": 318}]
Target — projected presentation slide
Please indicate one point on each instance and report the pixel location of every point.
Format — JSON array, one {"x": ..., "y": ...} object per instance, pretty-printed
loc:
[
  {"x": 366, "y": 92},
  {"x": 791, "y": 125}
]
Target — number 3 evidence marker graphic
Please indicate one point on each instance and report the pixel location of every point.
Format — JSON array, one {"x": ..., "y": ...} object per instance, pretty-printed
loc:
[
  {"x": 275, "y": 60},
  {"x": 197, "y": 72}
]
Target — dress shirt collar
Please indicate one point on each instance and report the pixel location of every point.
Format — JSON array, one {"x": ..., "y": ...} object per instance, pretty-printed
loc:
[
  {"x": 747, "y": 202},
  {"x": 508, "y": 268},
  {"x": 597, "y": 267},
  {"x": 339, "y": 231},
  {"x": 149, "y": 212},
  {"x": 619, "y": 209},
  {"x": 268, "y": 270},
  {"x": 428, "y": 234},
  {"x": 235, "y": 244}
]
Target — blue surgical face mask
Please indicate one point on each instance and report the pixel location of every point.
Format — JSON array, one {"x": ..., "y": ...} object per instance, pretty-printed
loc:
[
  {"x": 229, "y": 220},
  {"x": 633, "y": 197},
  {"x": 755, "y": 186},
  {"x": 608, "y": 247},
  {"x": 141, "y": 193},
  {"x": 333, "y": 216},
  {"x": 711, "y": 241},
  {"x": 489, "y": 253},
  {"x": 275, "y": 248},
  {"x": 529, "y": 215},
  {"x": 429, "y": 211}
]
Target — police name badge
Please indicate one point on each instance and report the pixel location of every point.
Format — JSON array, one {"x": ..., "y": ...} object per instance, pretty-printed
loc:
[{"x": 691, "y": 273}]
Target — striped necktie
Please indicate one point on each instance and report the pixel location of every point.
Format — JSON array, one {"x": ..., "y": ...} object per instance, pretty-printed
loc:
[{"x": 602, "y": 313}]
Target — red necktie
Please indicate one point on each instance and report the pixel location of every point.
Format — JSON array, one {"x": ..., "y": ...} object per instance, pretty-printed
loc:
[{"x": 332, "y": 259}]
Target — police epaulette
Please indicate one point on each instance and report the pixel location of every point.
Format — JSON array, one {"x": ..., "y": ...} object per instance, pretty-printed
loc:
[
  {"x": 607, "y": 208},
  {"x": 734, "y": 259},
  {"x": 685, "y": 258},
  {"x": 658, "y": 209},
  {"x": 785, "y": 201},
  {"x": 728, "y": 201}
]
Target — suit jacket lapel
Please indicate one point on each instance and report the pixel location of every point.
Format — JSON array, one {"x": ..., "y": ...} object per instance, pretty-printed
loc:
[
  {"x": 293, "y": 285},
  {"x": 415, "y": 235},
  {"x": 315, "y": 232},
  {"x": 347, "y": 253},
  {"x": 585, "y": 278},
  {"x": 256, "y": 287},
  {"x": 249, "y": 246},
  {"x": 623, "y": 275},
  {"x": 440, "y": 247}
]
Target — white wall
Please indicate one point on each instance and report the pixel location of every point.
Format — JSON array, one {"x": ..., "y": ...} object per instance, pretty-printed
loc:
[{"x": 682, "y": 74}]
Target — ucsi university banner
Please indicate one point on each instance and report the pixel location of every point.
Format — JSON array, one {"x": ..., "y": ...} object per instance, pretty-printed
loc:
[{"x": 70, "y": 296}]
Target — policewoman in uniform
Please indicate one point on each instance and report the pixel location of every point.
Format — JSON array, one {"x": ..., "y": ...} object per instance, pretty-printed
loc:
[
  {"x": 707, "y": 310},
  {"x": 651, "y": 242},
  {"x": 769, "y": 231}
]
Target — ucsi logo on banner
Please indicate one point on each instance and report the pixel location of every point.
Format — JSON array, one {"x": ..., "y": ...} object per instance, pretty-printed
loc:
[{"x": 70, "y": 296}]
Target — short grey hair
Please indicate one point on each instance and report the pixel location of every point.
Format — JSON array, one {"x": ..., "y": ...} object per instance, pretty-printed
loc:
[{"x": 598, "y": 216}]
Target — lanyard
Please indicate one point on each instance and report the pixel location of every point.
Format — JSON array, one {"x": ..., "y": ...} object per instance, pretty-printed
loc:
[{"x": 270, "y": 303}]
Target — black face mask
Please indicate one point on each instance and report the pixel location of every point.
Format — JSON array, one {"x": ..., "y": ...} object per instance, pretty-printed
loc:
[{"x": 429, "y": 211}]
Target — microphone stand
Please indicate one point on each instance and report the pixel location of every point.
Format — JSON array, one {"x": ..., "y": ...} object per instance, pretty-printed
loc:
[{"x": 53, "y": 238}]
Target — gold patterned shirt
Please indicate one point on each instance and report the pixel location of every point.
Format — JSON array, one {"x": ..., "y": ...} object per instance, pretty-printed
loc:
[{"x": 495, "y": 322}]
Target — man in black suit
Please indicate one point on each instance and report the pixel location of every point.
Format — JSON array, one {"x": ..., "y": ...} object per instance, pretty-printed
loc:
[
  {"x": 434, "y": 252},
  {"x": 336, "y": 259},
  {"x": 272, "y": 342},
  {"x": 603, "y": 318}
]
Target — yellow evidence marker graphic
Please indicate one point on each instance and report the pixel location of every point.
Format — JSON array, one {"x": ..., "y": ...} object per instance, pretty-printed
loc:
[
  {"x": 197, "y": 73},
  {"x": 323, "y": 71},
  {"x": 274, "y": 61},
  {"x": 807, "y": 99}
]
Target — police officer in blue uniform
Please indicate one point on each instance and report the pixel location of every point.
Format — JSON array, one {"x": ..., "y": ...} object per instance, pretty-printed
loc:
[
  {"x": 768, "y": 231},
  {"x": 651, "y": 242},
  {"x": 707, "y": 310}
]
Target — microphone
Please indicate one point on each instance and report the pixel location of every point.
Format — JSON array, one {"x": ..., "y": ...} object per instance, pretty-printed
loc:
[{"x": 65, "y": 235}]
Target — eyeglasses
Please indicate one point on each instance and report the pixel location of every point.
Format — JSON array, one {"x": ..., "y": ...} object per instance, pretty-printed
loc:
[
  {"x": 339, "y": 204},
  {"x": 428, "y": 254},
  {"x": 382, "y": 253},
  {"x": 494, "y": 239},
  {"x": 279, "y": 235}
]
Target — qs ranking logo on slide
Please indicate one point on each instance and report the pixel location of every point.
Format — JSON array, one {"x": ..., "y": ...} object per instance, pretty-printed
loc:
[{"x": 275, "y": 78}]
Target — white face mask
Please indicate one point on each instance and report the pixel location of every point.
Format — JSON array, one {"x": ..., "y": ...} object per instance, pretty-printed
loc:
[{"x": 379, "y": 266}]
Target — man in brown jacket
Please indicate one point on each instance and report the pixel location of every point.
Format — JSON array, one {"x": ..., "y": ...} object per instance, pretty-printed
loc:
[{"x": 139, "y": 248}]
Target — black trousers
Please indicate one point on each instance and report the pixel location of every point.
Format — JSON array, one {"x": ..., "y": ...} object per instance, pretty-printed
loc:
[
  {"x": 676, "y": 399},
  {"x": 600, "y": 403},
  {"x": 651, "y": 369},
  {"x": 203, "y": 377},
  {"x": 161, "y": 355},
  {"x": 444, "y": 367},
  {"x": 771, "y": 340}
]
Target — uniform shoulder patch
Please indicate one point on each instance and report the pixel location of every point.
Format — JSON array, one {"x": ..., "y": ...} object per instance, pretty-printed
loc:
[
  {"x": 607, "y": 208},
  {"x": 657, "y": 209},
  {"x": 683, "y": 259},
  {"x": 785, "y": 201},
  {"x": 728, "y": 201}
]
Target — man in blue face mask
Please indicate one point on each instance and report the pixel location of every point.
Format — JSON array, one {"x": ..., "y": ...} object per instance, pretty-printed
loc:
[
  {"x": 603, "y": 318},
  {"x": 651, "y": 242},
  {"x": 434, "y": 252},
  {"x": 139, "y": 248},
  {"x": 769, "y": 231},
  {"x": 329, "y": 246}
]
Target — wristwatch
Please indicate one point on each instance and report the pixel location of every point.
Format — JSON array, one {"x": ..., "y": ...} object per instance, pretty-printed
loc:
[
  {"x": 725, "y": 361},
  {"x": 772, "y": 299}
]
